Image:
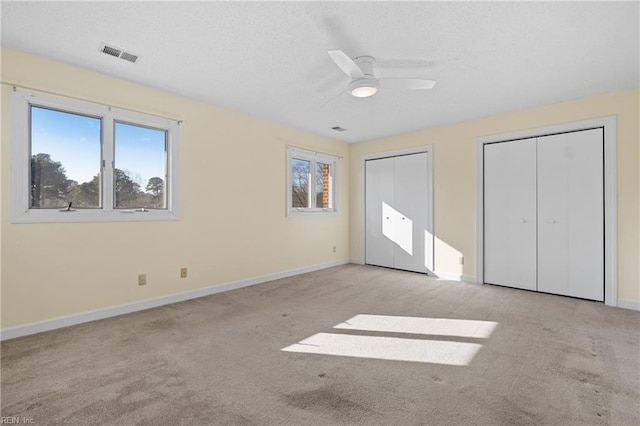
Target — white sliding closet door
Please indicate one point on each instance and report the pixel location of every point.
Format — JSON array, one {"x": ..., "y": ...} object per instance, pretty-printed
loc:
[
  {"x": 510, "y": 213},
  {"x": 571, "y": 214},
  {"x": 397, "y": 233},
  {"x": 378, "y": 194},
  {"x": 410, "y": 201}
]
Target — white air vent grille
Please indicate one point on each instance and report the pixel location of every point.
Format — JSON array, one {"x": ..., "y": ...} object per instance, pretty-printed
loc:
[
  {"x": 129, "y": 57},
  {"x": 111, "y": 51},
  {"x": 119, "y": 53}
]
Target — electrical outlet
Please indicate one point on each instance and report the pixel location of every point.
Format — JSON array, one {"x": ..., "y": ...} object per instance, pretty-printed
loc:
[
  {"x": 334, "y": 249},
  {"x": 142, "y": 279},
  {"x": 183, "y": 272}
]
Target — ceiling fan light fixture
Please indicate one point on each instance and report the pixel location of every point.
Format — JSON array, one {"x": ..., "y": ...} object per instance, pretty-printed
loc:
[
  {"x": 363, "y": 88},
  {"x": 364, "y": 91}
]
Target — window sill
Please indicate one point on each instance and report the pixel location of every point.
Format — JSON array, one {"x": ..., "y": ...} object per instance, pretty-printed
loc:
[
  {"x": 55, "y": 216},
  {"x": 311, "y": 212}
]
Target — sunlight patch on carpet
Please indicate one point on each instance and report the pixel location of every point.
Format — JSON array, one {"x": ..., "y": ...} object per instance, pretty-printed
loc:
[
  {"x": 388, "y": 348},
  {"x": 446, "y": 351},
  {"x": 414, "y": 325}
]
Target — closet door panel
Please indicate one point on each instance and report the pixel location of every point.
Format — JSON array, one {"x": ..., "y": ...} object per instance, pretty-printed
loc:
[
  {"x": 411, "y": 203},
  {"x": 510, "y": 214},
  {"x": 379, "y": 248},
  {"x": 571, "y": 214}
]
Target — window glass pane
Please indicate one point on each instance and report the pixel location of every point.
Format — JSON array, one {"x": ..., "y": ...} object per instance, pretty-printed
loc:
[
  {"x": 300, "y": 182},
  {"x": 65, "y": 159},
  {"x": 140, "y": 167},
  {"x": 323, "y": 186}
]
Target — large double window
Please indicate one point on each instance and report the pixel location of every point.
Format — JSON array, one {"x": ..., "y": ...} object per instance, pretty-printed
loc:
[
  {"x": 311, "y": 182},
  {"x": 74, "y": 160}
]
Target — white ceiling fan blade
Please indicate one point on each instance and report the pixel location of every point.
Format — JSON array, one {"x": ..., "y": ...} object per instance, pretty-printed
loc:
[
  {"x": 346, "y": 64},
  {"x": 406, "y": 83}
]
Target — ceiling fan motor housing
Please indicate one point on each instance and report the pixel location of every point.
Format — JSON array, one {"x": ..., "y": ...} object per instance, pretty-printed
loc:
[
  {"x": 363, "y": 87},
  {"x": 365, "y": 63}
]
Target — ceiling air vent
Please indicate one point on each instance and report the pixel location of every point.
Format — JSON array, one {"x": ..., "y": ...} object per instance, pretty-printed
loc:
[
  {"x": 119, "y": 53},
  {"x": 111, "y": 51},
  {"x": 129, "y": 57},
  {"x": 339, "y": 129}
]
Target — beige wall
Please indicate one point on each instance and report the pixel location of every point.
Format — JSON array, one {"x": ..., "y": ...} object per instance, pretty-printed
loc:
[
  {"x": 232, "y": 224},
  {"x": 455, "y": 180}
]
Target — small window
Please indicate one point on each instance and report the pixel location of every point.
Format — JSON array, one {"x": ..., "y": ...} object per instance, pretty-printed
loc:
[
  {"x": 324, "y": 190},
  {"x": 76, "y": 161},
  {"x": 311, "y": 182},
  {"x": 65, "y": 159},
  {"x": 140, "y": 167},
  {"x": 300, "y": 183}
]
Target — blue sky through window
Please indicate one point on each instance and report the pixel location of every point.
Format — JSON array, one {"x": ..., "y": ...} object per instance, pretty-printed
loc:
[
  {"x": 140, "y": 152},
  {"x": 74, "y": 141},
  {"x": 71, "y": 139}
]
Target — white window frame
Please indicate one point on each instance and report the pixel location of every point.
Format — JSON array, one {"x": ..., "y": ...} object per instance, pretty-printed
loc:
[
  {"x": 23, "y": 99},
  {"x": 313, "y": 158}
]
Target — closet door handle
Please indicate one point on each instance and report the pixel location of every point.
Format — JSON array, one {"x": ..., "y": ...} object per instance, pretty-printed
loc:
[
  {"x": 553, "y": 221},
  {"x": 523, "y": 220}
]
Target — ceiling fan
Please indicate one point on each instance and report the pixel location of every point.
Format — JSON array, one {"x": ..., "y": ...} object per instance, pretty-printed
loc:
[{"x": 364, "y": 83}]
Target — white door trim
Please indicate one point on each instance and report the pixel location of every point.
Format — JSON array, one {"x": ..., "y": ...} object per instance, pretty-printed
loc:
[
  {"x": 610, "y": 191},
  {"x": 377, "y": 155}
]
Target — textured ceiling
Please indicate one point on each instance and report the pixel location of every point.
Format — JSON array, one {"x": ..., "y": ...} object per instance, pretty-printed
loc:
[{"x": 270, "y": 59}]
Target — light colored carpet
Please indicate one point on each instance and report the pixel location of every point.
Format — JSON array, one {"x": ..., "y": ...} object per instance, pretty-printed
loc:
[{"x": 219, "y": 359}]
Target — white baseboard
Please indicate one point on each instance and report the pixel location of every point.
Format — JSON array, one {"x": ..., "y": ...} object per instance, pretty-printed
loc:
[
  {"x": 440, "y": 275},
  {"x": 629, "y": 304},
  {"x": 112, "y": 311},
  {"x": 455, "y": 277}
]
